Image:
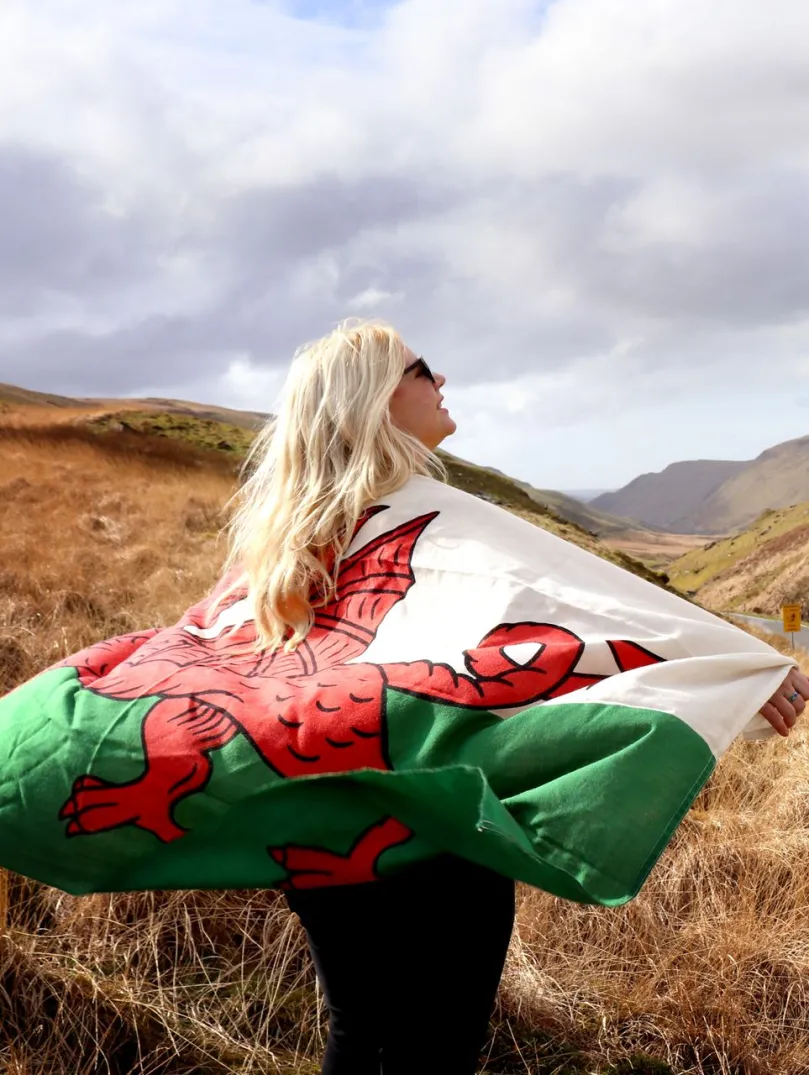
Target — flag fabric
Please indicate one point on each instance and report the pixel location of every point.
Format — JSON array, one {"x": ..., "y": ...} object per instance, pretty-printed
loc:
[{"x": 477, "y": 685}]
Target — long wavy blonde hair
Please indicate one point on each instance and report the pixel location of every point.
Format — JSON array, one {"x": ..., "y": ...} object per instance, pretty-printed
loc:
[{"x": 329, "y": 453}]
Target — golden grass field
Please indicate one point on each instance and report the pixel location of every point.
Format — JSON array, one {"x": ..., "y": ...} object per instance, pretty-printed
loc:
[{"x": 707, "y": 971}]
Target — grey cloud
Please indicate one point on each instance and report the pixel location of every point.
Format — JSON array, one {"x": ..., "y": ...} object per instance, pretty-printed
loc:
[
  {"x": 751, "y": 270},
  {"x": 255, "y": 241},
  {"x": 267, "y": 227},
  {"x": 57, "y": 236},
  {"x": 61, "y": 241}
]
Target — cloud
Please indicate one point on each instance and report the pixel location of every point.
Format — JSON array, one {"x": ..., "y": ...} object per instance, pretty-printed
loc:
[
  {"x": 572, "y": 208},
  {"x": 58, "y": 239}
]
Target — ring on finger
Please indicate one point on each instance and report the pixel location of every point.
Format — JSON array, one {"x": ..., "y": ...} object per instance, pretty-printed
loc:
[{"x": 793, "y": 696}]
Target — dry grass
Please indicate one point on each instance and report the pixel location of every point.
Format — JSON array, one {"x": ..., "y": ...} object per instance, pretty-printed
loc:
[
  {"x": 708, "y": 970},
  {"x": 756, "y": 570},
  {"x": 655, "y": 548},
  {"x": 709, "y": 967},
  {"x": 100, "y": 535}
]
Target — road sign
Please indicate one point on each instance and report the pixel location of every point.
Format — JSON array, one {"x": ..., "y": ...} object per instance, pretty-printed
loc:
[{"x": 791, "y": 615}]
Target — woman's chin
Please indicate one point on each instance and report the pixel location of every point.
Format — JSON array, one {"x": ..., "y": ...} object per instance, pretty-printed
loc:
[
  {"x": 448, "y": 427},
  {"x": 439, "y": 431}
]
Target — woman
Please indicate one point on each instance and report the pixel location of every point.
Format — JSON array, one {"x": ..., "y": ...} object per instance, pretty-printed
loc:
[{"x": 361, "y": 414}]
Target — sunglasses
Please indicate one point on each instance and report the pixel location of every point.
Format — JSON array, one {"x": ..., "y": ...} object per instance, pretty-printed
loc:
[{"x": 423, "y": 369}]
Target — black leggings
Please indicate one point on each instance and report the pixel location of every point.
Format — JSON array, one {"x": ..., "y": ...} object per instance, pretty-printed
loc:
[{"x": 409, "y": 966}]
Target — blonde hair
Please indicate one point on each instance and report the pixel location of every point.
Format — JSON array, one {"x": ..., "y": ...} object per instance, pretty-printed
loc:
[{"x": 329, "y": 453}]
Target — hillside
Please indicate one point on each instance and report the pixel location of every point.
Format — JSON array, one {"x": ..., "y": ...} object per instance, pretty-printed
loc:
[
  {"x": 757, "y": 570},
  {"x": 715, "y": 496},
  {"x": 232, "y": 431},
  {"x": 669, "y": 499},
  {"x": 234, "y": 441},
  {"x": 200, "y": 983},
  {"x": 655, "y": 548},
  {"x": 600, "y": 522},
  {"x": 585, "y": 495},
  {"x": 225, "y": 435},
  {"x": 185, "y": 426},
  {"x": 569, "y": 507},
  {"x": 251, "y": 420},
  {"x": 10, "y": 395},
  {"x": 14, "y": 398},
  {"x": 499, "y": 489},
  {"x": 207, "y": 437}
]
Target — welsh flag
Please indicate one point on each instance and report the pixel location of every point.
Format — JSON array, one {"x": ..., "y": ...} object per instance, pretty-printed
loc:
[{"x": 477, "y": 686}]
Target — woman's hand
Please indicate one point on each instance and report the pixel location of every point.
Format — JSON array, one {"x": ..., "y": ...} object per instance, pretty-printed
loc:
[{"x": 788, "y": 702}]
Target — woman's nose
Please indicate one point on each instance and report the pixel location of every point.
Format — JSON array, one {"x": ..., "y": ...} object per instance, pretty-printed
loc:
[{"x": 440, "y": 379}]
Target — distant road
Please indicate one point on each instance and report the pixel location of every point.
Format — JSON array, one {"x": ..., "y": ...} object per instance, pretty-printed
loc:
[{"x": 801, "y": 637}]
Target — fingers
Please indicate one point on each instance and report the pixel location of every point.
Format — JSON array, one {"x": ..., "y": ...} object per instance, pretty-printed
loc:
[
  {"x": 800, "y": 683},
  {"x": 795, "y": 689},
  {"x": 792, "y": 696},
  {"x": 783, "y": 710},
  {"x": 788, "y": 710},
  {"x": 773, "y": 717}
]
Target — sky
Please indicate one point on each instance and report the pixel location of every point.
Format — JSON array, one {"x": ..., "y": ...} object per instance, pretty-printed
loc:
[{"x": 591, "y": 215}]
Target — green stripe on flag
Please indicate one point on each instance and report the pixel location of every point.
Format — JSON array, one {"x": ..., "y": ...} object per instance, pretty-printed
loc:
[
  {"x": 595, "y": 791},
  {"x": 578, "y": 799}
]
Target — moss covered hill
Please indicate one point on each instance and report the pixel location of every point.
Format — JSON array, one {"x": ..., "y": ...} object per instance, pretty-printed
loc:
[
  {"x": 200, "y": 432},
  {"x": 756, "y": 570}
]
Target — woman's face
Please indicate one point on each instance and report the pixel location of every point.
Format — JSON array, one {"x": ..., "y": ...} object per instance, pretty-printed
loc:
[{"x": 416, "y": 405}]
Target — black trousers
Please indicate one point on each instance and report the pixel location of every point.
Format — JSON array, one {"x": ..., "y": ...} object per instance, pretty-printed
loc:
[{"x": 409, "y": 966}]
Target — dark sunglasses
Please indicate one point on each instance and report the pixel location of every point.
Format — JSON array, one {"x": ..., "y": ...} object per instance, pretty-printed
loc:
[{"x": 422, "y": 367}]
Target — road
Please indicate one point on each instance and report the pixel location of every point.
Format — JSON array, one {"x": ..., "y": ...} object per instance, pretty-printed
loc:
[{"x": 801, "y": 637}]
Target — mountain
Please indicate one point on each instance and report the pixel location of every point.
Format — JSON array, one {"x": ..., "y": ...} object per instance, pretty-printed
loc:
[
  {"x": 775, "y": 479},
  {"x": 709, "y": 496},
  {"x": 756, "y": 570},
  {"x": 670, "y": 498}
]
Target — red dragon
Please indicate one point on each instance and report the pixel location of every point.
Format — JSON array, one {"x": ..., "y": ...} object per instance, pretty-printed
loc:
[{"x": 307, "y": 711}]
